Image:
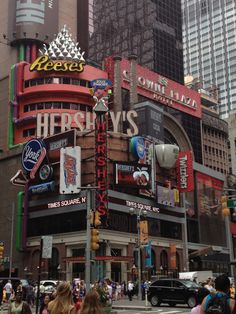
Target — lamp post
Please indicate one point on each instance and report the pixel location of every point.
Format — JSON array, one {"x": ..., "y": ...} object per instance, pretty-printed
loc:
[{"x": 138, "y": 215}]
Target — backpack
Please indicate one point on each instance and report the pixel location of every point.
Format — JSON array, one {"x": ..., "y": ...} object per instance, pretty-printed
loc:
[{"x": 218, "y": 305}]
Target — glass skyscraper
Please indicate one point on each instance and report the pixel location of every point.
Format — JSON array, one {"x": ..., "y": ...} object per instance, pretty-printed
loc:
[
  {"x": 209, "y": 39},
  {"x": 151, "y": 29}
]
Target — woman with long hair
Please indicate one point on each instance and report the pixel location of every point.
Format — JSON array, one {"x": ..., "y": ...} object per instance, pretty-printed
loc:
[
  {"x": 44, "y": 306},
  {"x": 91, "y": 304},
  {"x": 63, "y": 303}
]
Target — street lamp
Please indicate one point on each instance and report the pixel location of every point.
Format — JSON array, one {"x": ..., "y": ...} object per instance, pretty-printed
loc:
[{"x": 138, "y": 214}]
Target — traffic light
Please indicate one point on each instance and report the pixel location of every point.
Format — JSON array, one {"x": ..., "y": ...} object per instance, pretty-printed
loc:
[
  {"x": 94, "y": 239},
  {"x": 1, "y": 251},
  {"x": 97, "y": 220},
  {"x": 224, "y": 206}
]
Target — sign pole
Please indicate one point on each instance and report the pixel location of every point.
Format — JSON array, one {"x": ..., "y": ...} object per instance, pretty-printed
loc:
[
  {"x": 39, "y": 275},
  {"x": 11, "y": 243},
  {"x": 88, "y": 240}
]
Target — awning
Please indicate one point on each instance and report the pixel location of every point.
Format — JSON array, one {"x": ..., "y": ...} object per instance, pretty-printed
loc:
[
  {"x": 208, "y": 250},
  {"x": 81, "y": 259}
]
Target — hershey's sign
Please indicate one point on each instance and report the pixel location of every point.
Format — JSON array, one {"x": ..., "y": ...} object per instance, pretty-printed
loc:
[{"x": 47, "y": 122}]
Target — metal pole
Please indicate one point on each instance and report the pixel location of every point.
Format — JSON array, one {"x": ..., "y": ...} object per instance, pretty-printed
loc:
[
  {"x": 185, "y": 236},
  {"x": 11, "y": 243},
  {"x": 230, "y": 243},
  {"x": 39, "y": 275},
  {"x": 88, "y": 240},
  {"x": 139, "y": 259}
]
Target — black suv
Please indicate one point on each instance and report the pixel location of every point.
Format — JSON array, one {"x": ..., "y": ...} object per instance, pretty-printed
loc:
[{"x": 173, "y": 291}]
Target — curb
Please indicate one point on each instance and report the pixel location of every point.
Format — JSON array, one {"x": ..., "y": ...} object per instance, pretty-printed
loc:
[{"x": 132, "y": 307}]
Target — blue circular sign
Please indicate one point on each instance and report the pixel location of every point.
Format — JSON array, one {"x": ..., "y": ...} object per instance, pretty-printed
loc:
[
  {"x": 31, "y": 153},
  {"x": 138, "y": 147}
]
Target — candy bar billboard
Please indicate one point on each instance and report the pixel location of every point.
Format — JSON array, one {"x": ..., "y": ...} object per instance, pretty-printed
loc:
[
  {"x": 132, "y": 175},
  {"x": 185, "y": 172}
]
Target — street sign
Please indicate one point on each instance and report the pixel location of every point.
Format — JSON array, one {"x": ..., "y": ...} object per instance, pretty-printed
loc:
[
  {"x": 47, "y": 247},
  {"x": 231, "y": 203}
]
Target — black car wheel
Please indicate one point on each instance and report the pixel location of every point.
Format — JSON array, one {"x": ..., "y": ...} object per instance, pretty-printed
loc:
[
  {"x": 155, "y": 300},
  {"x": 192, "y": 301},
  {"x": 172, "y": 304}
]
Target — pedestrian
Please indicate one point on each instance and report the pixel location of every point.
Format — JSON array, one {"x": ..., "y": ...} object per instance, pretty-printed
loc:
[
  {"x": 130, "y": 289},
  {"x": 123, "y": 289},
  {"x": 1, "y": 292},
  {"x": 201, "y": 294},
  {"x": 91, "y": 304},
  {"x": 19, "y": 306},
  {"x": 118, "y": 291},
  {"x": 44, "y": 306},
  {"x": 8, "y": 289},
  {"x": 219, "y": 300},
  {"x": 63, "y": 302},
  {"x": 209, "y": 285},
  {"x": 30, "y": 294}
]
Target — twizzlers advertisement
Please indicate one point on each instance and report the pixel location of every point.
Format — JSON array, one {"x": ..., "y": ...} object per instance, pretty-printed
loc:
[{"x": 185, "y": 177}]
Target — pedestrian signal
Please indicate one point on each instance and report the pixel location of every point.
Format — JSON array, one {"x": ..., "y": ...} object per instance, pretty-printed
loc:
[
  {"x": 97, "y": 220},
  {"x": 94, "y": 239},
  {"x": 224, "y": 206}
]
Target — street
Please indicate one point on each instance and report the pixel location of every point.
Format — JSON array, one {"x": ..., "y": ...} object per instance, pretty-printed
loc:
[
  {"x": 155, "y": 310},
  {"x": 159, "y": 310}
]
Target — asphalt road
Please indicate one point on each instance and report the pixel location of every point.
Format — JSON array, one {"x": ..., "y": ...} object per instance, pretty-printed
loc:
[
  {"x": 158, "y": 310},
  {"x": 155, "y": 310}
]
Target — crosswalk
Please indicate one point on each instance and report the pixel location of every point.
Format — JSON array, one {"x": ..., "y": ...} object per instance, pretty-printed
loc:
[{"x": 157, "y": 311}]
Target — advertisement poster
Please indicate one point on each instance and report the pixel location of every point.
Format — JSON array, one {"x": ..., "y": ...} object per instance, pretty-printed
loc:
[
  {"x": 70, "y": 170},
  {"x": 209, "y": 195},
  {"x": 211, "y": 222},
  {"x": 133, "y": 175}
]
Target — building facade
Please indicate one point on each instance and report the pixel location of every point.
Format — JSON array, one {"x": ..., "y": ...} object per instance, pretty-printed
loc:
[
  {"x": 49, "y": 96},
  {"x": 209, "y": 47}
]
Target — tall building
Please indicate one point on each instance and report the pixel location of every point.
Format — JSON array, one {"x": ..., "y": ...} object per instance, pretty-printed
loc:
[
  {"x": 209, "y": 34},
  {"x": 150, "y": 29}
]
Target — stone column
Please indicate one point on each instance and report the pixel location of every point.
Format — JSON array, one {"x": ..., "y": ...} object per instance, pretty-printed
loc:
[
  {"x": 133, "y": 81},
  {"x": 68, "y": 266},
  {"x": 117, "y": 107},
  {"x": 124, "y": 267},
  {"x": 108, "y": 263}
]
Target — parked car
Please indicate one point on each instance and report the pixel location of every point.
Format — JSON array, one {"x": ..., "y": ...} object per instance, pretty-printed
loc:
[
  {"x": 173, "y": 291},
  {"x": 50, "y": 285}
]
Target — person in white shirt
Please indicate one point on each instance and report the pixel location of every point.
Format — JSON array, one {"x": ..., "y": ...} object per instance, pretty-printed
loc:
[
  {"x": 209, "y": 285},
  {"x": 130, "y": 289},
  {"x": 8, "y": 289}
]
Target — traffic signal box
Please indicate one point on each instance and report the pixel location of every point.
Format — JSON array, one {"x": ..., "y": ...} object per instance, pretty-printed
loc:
[
  {"x": 1, "y": 252},
  {"x": 224, "y": 206},
  {"x": 94, "y": 239},
  {"x": 95, "y": 221}
]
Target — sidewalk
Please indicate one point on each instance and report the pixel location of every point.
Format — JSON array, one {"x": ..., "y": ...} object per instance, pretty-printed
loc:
[
  {"x": 135, "y": 304},
  {"x": 123, "y": 304}
]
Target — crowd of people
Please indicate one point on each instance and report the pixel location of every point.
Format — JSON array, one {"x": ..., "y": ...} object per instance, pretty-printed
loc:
[
  {"x": 65, "y": 297},
  {"x": 215, "y": 296}
]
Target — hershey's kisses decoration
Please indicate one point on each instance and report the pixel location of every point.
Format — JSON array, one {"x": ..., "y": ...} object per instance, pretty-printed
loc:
[{"x": 62, "y": 54}]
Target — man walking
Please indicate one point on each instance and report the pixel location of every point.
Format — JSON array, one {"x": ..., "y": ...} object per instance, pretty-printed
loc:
[{"x": 130, "y": 289}]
